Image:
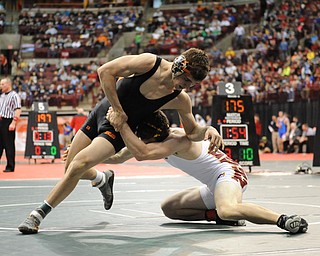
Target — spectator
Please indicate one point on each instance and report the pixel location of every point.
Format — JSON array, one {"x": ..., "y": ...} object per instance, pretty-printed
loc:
[
  {"x": 137, "y": 41},
  {"x": 273, "y": 128},
  {"x": 303, "y": 140},
  {"x": 3, "y": 64},
  {"x": 200, "y": 120},
  {"x": 53, "y": 51},
  {"x": 283, "y": 124},
  {"x": 258, "y": 126},
  {"x": 78, "y": 120},
  {"x": 230, "y": 54},
  {"x": 51, "y": 30},
  {"x": 67, "y": 134},
  {"x": 225, "y": 22},
  {"x": 264, "y": 145},
  {"x": 283, "y": 49},
  {"x": 239, "y": 33},
  {"x": 208, "y": 119},
  {"x": 215, "y": 28},
  {"x": 296, "y": 120},
  {"x": 295, "y": 132},
  {"x": 293, "y": 44}
]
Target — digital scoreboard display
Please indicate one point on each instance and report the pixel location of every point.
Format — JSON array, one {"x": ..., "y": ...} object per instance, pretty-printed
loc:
[
  {"x": 233, "y": 117},
  {"x": 42, "y": 136},
  {"x": 234, "y": 132}
]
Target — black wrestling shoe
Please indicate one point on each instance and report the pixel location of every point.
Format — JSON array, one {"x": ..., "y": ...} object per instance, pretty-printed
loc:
[
  {"x": 294, "y": 224},
  {"x": 107, "y": 189},
  {"x": 30, "y": 225}
]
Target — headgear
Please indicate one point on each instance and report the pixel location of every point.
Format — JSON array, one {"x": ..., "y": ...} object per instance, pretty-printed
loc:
[{"x": 179, "y": 66}]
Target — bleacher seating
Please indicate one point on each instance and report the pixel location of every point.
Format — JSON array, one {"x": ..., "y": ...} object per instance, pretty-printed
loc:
[
  {"x": 78, "y": 4},
  {"x": 93, "y": 30},
  {"x": 183, "y": 28},
  {"x": 193, "y": 27}
]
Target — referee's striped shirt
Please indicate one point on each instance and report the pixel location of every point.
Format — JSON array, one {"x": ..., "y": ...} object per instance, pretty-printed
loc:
[{"x": 9, "y": 102}]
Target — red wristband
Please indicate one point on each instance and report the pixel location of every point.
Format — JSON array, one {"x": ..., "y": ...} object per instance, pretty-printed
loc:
[{"x": 15, "y": 118}]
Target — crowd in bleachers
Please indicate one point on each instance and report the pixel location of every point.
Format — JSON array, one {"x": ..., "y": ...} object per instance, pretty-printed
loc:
[
  {"x": 77, "y": 4},
  {"x": 199, "y": 26},
  {"x": 73, "y": 33},
  {"x": 58, "y": 84},
  {"x": 63, "y": 35},
  {"x": 277, "y": 59},
  {"x": 281, "y": 62}
]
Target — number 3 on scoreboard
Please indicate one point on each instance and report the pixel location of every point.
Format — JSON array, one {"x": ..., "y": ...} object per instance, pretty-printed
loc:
[{"x": 230, "y": 88}]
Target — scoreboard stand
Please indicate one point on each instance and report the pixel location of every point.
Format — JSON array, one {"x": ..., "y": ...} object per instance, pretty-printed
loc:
[
  {"x": 42, "y": 134},
  {"x": 233, "y": 117}
]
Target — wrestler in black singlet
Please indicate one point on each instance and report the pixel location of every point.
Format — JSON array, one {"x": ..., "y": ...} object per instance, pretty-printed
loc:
[{"x": 134, "y": 104}]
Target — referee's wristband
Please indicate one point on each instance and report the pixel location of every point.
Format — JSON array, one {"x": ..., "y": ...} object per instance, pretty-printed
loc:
[{"x": 15, "y": 118}]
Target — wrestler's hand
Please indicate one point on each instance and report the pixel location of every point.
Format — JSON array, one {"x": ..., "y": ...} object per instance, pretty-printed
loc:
[
  {"x": 116, "y": 118},
  {"x": 215, "y": 139},
  {"x": 65, "y": 154}
]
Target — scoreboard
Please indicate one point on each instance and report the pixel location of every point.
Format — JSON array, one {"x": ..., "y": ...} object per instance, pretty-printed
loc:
[
  {"x": 233, "y": 117},
  {"x": 42, "y": 134}
]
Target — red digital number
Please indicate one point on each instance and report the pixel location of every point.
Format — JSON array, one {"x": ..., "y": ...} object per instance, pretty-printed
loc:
[
  {"x": 226, "y": 130},
  {"x": 37, "y": 150},
  {"x": 228, "y": 152},
  {"x": 47, "y": 136},
  {"x": 243, "y": 132},
  {"x": 36, "y": 136},
  {"x": 235, "y": 133}
]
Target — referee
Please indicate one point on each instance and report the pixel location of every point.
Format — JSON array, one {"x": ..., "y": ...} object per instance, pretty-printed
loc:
[{"x": 10, "y": 109}]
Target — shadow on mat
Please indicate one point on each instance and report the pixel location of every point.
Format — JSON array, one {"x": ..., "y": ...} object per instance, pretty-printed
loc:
[
  {"x": 192, "y": 225},
  {"x": 189, "y": 237}
]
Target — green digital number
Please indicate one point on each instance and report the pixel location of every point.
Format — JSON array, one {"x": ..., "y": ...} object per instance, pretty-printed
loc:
[
  {"x": 53, "y": 150},
  {"x": 246, "y": 154}
]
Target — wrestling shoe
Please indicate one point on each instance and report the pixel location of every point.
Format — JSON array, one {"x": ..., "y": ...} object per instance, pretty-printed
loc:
[
  {"x": 294, "y": 224},
  {"x": 107, "y": 188},
  {"x": 30, "y": 225}
]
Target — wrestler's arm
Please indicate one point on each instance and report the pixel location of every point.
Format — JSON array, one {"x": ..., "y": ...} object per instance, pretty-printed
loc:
[
  {"x": 122, "y": 67},
  {"x": 194, "y": 131},
  {"x": 122, "y": 156}
]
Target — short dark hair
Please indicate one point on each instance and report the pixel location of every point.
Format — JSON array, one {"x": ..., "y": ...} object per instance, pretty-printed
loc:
[
  {"x": 198, "y": 63},
  {"x": 155, "y": 126}
]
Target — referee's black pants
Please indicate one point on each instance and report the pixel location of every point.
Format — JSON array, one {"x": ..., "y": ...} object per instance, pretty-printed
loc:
[{"x": 7, "y": 139}]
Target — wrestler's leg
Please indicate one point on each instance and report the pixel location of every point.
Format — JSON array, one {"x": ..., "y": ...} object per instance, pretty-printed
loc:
[
  {"x": 185, "y": 205},
  {"x": 229, "y": 206},
  {"x": 79, "y": 142},
  {"x": 98, "y": 151}
]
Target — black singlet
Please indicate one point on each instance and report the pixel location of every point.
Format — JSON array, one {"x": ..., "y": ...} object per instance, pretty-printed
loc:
[{"x": 134, "y": 104}]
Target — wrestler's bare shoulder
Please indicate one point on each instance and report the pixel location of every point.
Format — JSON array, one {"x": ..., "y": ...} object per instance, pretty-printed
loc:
[{"x": 185, "y": 148}]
